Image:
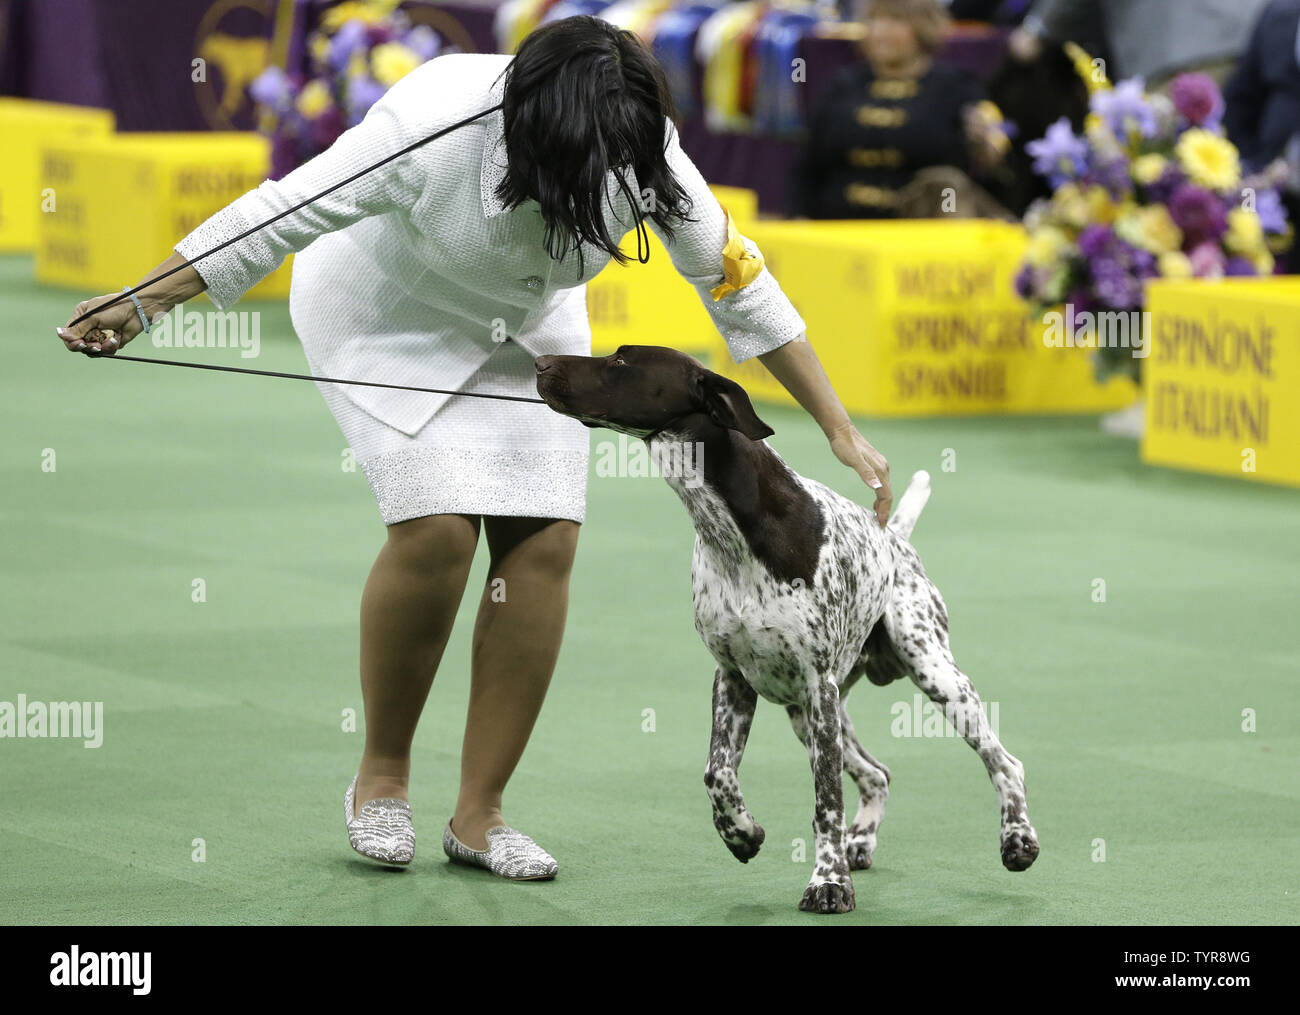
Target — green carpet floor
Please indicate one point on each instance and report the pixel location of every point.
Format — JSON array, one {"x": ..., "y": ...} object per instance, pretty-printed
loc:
[{"x": 223, "y": 719}]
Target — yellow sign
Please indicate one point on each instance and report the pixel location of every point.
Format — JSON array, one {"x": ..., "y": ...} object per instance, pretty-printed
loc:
[
  {"x": 25, "y": 125},
  {"x": 1223, "y": 379},
  {"x": 121, "y": 203},
  {"x": 920, "y": 318}
]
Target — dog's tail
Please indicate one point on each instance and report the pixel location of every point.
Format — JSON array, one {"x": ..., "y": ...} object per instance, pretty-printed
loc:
[{"x": 909, "y": 508}]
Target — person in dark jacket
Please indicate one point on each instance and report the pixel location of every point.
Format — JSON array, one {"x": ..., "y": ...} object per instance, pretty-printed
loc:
[
  {"x": 1151, "y": 39},
  {"x": 992, "y": 12},
  {"x": 1263, "y": 95},
  {"x": 877, "y": 124}
]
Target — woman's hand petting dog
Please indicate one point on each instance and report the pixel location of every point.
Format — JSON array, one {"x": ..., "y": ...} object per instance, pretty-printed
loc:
[
  {"x": 102, "y": 333},
  {"x": 855, "y": 451}
]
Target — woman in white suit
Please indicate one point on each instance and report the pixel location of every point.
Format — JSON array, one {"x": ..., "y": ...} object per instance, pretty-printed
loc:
[{"x": 453, "y": 267}]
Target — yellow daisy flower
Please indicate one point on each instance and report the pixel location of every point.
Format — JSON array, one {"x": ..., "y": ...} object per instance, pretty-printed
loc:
[
  {"x": 1093, "y": 72},
  {"x": 1101, "y": 206},
  {"x": 391, "y": 62},
  {"x": 1209, "y": 159},
  {"x": 314, "y": 99},
  {"x": 1046, "y": 246},
  {"x": 1245, "y": 233},
  {"x": 1149, "y": 168},
  {"x": 1070, "y": 205},
  {"x": 1152, "y": 229},
  {"x": 1175, "y": 264},
  {"x": 320, "y": 47},
  {"x": 368, "y": 12}
]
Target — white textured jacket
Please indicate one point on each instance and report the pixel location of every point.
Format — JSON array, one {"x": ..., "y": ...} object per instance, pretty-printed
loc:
[{"x": 437, "y": 269}]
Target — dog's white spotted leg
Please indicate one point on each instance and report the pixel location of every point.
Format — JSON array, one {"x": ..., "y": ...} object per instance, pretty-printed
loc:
[
  {"x": 830, "y": 890},
  {"x": 917, "y": 623},
  {"x": 733, "y": 712},
  {"x": 873, "y": 787}
]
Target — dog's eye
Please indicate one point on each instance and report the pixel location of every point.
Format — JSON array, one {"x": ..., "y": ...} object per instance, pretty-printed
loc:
[{"x": 619, "y": 361}]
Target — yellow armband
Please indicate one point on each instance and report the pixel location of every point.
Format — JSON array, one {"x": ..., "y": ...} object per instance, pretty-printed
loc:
[{"x": 739, "y": 266}]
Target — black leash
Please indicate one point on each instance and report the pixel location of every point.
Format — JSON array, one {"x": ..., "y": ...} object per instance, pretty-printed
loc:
[
  {"x": 271, "y": 221},
  {"x": 128, "y": 294},
  {"x": 309, "y": 377},
  {"x": 276, "y": 218}
]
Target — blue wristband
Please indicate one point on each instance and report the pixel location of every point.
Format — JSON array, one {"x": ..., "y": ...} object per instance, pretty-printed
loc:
[{"x": 139, "y": 309}]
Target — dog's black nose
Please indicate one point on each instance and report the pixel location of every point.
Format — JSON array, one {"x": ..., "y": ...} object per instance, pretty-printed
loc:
[{"x": 543, "y": 363}]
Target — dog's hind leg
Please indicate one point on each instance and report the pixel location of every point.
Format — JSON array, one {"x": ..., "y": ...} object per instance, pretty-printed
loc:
[
  {"x": 917, "y": 624},
  {"x": 873, "y": 788},
  {"x": 733, "y": 712},
  {"x": 817, "y": 724}
]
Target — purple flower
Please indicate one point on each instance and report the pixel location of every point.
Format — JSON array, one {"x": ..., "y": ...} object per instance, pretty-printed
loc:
[
  {"x": 1081, "y": 299},
  {"x": 1025, "y": 282},
  {"x": 1096, "y": 240},
  {"x": 1144, "y": 264},
  {"x": 1272, "y": 213},
  {"x": 349, "y": 39},
  {"x": 1125, "y": 107},
  {"x": 1114, "y": 176},
  {"x": 1198, "y": 213},
  {"x": 1059, "y": 155},
  {"x": 1208, "y": 261},
  {"x": 377, "y": 35},
  {"x": 271, "y": 88},
  {"x": 363, "y": 92},
  {"x": 1162, "y": 191},
  {"x": 327, "y": 127},
  {"x": 1115, "y": 285},
  {"x": 284, "y": 155},
  {"x": 423, "y": 41},
  {"x": 1197, "y": 97},
  {"x": 1239, "y": 267}
]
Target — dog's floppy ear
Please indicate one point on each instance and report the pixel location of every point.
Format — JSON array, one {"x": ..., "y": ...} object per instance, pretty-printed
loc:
[{"x": 728, "y": 405}]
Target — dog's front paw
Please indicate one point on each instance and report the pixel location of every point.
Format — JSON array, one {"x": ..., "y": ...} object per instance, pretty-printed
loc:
[
  {"x": 828, "y": 897},
  {"x": 859, "y": 853},
  {"x": 859, "y": 848},
  {"x": 744, "y": 847},
  {"x": 1019, "y": 848}
]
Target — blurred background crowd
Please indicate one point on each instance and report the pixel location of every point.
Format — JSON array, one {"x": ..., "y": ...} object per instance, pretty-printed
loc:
[{"x": 855, "y": 109}]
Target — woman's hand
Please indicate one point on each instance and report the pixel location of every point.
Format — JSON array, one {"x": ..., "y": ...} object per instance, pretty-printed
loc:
[
  {"x": 103, "y": 333},
  {"x": 855, "y": 451},
  {"x": 796, "y": 366}
]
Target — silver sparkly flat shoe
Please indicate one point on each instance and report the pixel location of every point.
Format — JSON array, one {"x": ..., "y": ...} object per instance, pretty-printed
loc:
[
  {"x": 382, "y": 831},
  {"x": 510, "y": 854}
]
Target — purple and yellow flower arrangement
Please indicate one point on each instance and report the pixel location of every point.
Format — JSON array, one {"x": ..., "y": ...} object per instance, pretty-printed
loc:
[
  {"x": 359, "y": 50},
  {"x": 1152, "y": 189}
]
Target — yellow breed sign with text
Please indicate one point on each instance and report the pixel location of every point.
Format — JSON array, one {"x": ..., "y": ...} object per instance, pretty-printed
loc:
[
  {"x": 1223, "y": 379},
  {"x": 122, "y": 202},
  {"x": 25, "y": 125},
  {"x": 920, "y": 318}
]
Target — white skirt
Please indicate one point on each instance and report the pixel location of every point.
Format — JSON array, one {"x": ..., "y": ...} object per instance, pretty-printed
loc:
[{"x": 475, "y": 456}]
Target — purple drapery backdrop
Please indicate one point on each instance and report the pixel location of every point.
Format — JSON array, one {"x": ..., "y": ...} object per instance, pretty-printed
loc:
[{"x": 135, "y": 57}]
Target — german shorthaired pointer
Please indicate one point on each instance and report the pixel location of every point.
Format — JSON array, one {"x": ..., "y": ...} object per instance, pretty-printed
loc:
[{"x": 798, "y": 594}]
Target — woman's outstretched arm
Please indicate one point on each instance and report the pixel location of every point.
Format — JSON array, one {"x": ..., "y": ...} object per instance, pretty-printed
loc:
[{"x": 800, "y": 372}]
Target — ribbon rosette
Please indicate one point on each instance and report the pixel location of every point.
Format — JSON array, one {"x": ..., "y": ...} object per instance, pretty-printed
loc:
[{"x": 739, "y": 266}]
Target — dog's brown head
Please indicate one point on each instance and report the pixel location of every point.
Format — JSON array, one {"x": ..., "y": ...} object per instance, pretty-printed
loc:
[{"x": 642, "y": 389}]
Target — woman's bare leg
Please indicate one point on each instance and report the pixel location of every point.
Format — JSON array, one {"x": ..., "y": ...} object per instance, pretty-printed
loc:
[
  {"x": 407, "y": 610},
  {"x": 516, "y": 641}
]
